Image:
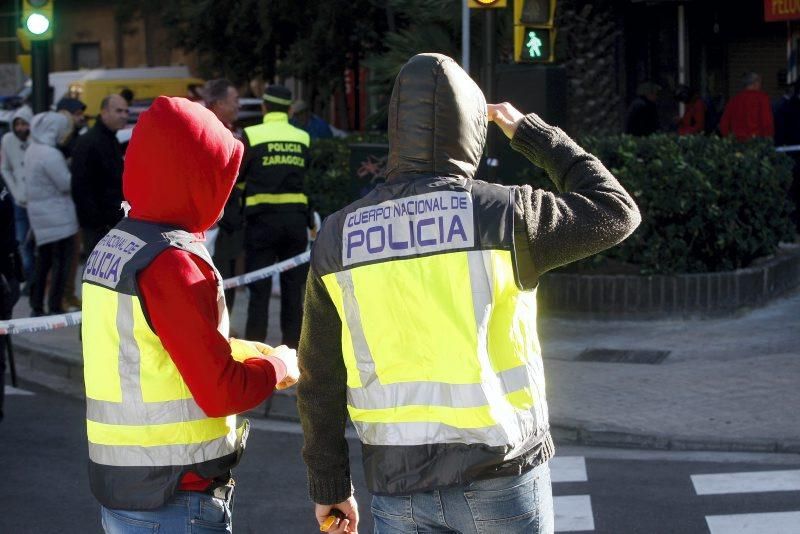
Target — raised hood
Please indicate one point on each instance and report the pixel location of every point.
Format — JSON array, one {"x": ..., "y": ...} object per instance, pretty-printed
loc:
[
  {"x": 437, "y": 119},
  {"x": 180, "y": 165},
  {"x": 24, "y": 113},
  {"x": 49, "y": 127}
]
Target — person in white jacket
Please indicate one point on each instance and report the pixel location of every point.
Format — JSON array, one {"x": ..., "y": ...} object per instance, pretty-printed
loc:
[
  {"x": 12, "y": 152},
  {"x": 50, "y": 209}
]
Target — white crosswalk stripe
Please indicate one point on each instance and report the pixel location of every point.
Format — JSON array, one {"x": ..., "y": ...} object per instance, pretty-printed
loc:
[
  {"x": 774, "y": 523},
  {"x": 11, "y": 390},
  {"x": 573, "y": 513},
  {"x": 752, "y": 482},
  {"x": 568, "y": 469}
]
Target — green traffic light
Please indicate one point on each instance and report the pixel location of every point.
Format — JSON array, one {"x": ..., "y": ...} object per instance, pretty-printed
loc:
[
  {"x": 37, "y": 24},
  {"x": 534, "y": 45}
]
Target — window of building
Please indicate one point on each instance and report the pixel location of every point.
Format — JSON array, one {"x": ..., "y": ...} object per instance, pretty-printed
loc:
[{"x": 86, "y": 56}]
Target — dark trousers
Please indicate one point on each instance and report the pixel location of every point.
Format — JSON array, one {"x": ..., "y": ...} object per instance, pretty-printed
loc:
[
  {"x": 270, "y": 238},
  {"x": 227, "y": 250},
  {"x": 9, "y": 294},
  {"x": 55, "y": 256}
]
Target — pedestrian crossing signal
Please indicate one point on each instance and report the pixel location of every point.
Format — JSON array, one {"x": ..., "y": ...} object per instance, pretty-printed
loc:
[
  {"x": 534, "y": 45},
  {"x": 534, "y": 31},
  {"x": 37, "y": 19}
]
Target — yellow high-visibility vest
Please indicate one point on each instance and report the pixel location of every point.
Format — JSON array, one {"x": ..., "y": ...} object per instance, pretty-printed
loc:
[
  {"x": 464, "y": 366},
  {"x": 276, "y": 164},
  {"x": 144, "y": 428},
  {"x": 439, "y": 340}
]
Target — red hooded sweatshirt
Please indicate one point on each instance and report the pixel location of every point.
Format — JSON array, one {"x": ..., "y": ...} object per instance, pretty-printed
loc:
[{"x": 180, "y": 167}]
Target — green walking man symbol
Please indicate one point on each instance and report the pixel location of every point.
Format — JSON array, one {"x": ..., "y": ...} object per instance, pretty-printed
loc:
[{"x": 534, "y": 45}]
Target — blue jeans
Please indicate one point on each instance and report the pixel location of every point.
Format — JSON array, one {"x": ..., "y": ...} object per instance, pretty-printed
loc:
[
  {"x": 187, "y": 512},
  {"x": 22, "y": 227},
  {"x": 511, "y": 505}
]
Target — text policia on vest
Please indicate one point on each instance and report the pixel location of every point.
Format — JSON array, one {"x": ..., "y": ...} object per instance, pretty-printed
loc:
[{"x": 409, "y": 226}]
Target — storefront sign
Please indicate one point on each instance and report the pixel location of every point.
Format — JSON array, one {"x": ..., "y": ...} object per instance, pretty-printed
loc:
[{"x": 775, "y": 10}]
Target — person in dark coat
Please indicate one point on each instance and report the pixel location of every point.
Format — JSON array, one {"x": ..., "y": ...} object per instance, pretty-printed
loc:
[
  {"x": 642, "y": 116},
  {"x": 10, "y": 276},
  {"x": 97, "y": 172},
  {"x": 75, "y": 110}
]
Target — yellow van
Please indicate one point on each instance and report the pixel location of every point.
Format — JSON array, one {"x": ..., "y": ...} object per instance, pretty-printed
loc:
[{"x": 92, "y": 91}]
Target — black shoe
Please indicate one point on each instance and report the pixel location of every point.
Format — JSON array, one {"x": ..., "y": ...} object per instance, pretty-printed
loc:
[{"x": 37, "y": 313}]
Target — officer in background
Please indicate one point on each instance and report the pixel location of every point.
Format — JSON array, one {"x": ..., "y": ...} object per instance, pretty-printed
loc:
[{"x": 276, "y": 212}]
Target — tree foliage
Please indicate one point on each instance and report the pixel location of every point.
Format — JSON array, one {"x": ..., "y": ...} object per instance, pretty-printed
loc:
[
  {"x": 415, "y": 26},
  {"x": 588, "y": 36},
  {"x": 271, "y": 39},
  {"x": 708, "y": 204}
]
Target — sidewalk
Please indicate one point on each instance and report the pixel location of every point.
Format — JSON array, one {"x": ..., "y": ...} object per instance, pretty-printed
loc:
[{"x": 727, "y": 384}]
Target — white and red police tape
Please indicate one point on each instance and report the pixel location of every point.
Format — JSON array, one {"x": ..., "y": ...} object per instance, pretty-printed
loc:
[{"x": 52, "y": 322}]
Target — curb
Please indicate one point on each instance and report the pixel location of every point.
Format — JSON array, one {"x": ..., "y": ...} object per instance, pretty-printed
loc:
[
  {"x": 708, "y": 295},
  {"x": 590, "y": 435},
  {"x": 36, "y": 365}
]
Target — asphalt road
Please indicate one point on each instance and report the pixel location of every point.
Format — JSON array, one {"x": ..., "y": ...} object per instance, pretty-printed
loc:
[{"x": 43, "y": 459}]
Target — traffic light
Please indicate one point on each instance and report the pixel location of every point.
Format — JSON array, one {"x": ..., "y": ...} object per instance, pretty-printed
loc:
[
  {"x": 37, "y": 19},
  {"x": 24, "y": 57},
  {"x": 534, "y": 31},
  {"x": 483, "y": 4}
]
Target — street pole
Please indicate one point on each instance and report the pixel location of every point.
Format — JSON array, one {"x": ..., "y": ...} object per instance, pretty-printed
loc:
[
  {"x": 682, "y": 78},
  {"x": 465, "y": 36},
  {"x": 39, "y": 71},
  {"x": 488, "y": 89}
]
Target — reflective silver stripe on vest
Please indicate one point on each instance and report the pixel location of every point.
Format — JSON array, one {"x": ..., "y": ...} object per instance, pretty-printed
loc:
[
  {"x": 481, "y": 275},
  {"x": 129, "y": 357},
  {"x": 162, "y": 455},
  {"x": 394, "y": 434},
  {"x": 377, "y": 396},
  {"x": 133, "y": 410},
  {"x": 364, "y": 360},
  {"x": 150, "y": 413}
]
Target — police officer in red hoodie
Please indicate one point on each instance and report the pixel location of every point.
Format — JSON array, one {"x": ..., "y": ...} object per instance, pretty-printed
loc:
[{"x": 163, "y": 379}]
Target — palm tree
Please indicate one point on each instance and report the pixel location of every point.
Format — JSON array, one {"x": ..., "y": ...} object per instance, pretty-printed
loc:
[
  {"x": 588, "y": 38},
  {"x": 415, "y": 26}
]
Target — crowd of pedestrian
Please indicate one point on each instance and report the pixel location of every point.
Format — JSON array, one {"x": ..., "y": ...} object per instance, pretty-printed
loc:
[
  {"x": 65, "y": 179},
  {"x": 748, "y": 114}
]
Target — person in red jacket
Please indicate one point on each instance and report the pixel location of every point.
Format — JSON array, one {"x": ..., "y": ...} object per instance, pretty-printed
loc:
[
  {"x": 749, "y": 113},
  {"x": 161, "y": 457},
  {"x": 693, "y": 120}
]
